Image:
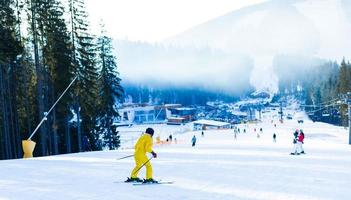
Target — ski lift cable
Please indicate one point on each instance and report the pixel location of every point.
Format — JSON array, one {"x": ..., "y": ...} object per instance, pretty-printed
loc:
[
  {"x": 327, "y": 102},
  {"x": 333, "y": 100},
  {"x": 326, "y": 106}
]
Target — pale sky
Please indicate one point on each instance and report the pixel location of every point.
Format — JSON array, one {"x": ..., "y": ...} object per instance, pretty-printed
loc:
[{"x": 156, "y": 20}]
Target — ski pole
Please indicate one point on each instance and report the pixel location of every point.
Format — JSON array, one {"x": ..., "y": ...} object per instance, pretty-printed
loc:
[
  {"x": 143, "y": 165},
  {"x": 125, "y": 157}
]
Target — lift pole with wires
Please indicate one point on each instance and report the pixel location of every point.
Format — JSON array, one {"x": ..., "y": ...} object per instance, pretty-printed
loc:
[
  {"x": 281, "y": 112},
  {"x": 349, "y": 104},
  {"x": 349, "y": 107}
]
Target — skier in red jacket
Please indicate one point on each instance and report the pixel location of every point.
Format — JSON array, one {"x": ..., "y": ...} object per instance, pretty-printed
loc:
[{"x": 300, "y": 142}]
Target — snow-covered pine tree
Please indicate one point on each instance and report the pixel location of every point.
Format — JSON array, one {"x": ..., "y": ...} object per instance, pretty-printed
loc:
[{"x": 110, "y": 91}]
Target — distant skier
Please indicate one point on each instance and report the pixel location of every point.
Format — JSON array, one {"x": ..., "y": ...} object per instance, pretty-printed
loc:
[
  {"x": 294, "y": 151},
  {"x": 158, "y": 140},
  {"x": 170, "y": 137},
  {"x": 238, "y": 130},
  {"x": 143, "y": 146},
  {"x": 86, "y": 144},
  {"x": 300, "y": 142},
  {"x": 274, "y": 138},
  {"x": 193, "y": 141},
  {"x": 244, "y": 130},
  {"x": 261, "y": 130},
  {"x": 202, "y": 133},
  {"x": 234, "y": 135}
]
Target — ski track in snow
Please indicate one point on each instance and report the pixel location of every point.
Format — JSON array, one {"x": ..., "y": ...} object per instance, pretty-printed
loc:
[{"x": 218, "y": 167}]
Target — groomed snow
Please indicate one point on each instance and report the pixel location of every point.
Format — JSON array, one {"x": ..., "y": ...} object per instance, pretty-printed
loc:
[
  {"x": 211, "y": 122},
  {"x": 218, "y": 167}
]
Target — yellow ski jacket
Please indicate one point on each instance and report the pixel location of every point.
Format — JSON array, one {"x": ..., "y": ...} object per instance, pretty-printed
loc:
[{"x": 143, "y": 145}]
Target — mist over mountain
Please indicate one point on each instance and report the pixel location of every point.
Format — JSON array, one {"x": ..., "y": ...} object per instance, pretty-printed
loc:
[
  {"x": 163, "y": 66},
  {"x": 260, "y": 46}
]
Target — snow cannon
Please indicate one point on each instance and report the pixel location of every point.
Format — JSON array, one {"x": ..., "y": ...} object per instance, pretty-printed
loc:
[
  {"x": 28, "y": 145},
  {"x": 28, "y": 148}
]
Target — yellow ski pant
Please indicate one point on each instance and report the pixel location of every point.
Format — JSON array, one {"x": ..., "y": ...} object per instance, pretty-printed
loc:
[{"x": 140, "y": 159}]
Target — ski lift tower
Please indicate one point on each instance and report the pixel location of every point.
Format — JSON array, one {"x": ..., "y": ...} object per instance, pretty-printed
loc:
[
  {"x": 349, "y": 116},
  {"x": 281, "y": 112}
]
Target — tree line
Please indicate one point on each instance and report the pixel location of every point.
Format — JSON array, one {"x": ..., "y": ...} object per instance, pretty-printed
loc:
[
  {"x": 44, "y": 45},
  {"x": 325, "y": 92},
  {"x": 321, "y": 86}
]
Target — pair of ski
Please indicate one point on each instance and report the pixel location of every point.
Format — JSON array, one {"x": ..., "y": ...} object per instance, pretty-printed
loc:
[
  {"x": 156, "y": 183},
  {"x": 297, "y": 154},
  {"x": 160, "y": 182}
]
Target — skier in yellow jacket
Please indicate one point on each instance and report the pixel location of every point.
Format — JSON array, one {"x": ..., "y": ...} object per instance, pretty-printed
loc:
[{"x": 143, "y": 146}]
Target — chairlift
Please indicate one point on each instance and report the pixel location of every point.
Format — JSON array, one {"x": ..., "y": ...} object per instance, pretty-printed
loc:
[
  {"x": 325, "y": 114},
  {"x": 310, "y": 113}
]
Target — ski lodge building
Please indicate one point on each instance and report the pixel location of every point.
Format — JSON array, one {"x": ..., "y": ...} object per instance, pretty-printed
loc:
[
  {"x": 145, "y": 113},
  {"x": 204, "y": 124}
]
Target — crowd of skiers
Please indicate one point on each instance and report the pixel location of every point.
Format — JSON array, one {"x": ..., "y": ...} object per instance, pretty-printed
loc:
[{"x": 299, "y": 137}]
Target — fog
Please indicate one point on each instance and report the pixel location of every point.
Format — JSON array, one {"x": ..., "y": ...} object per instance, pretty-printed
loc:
[
  {"x": 168, "y": 66},
  {"x": 254, "y": 46}
]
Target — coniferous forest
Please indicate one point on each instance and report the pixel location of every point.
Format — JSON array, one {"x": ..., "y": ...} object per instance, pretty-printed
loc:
[
  {"x": 328, "y": 91},
  {"x": 44, "y": 45},
  {"x": 324, "y": 90}
]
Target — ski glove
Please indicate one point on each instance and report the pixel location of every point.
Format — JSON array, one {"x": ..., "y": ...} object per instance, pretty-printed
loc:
[{"x": 154, "y": 154}]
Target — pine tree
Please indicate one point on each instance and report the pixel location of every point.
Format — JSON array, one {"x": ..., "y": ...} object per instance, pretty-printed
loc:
[
  {"x": 51, "y": 41},
  {"x": 344, "y": 78},
  {"x": 110, "y": 92},
  {"x": 26, "y": 92},
  {"x": 85, "y": 68},
  {"x": 344, "y": 87},
  {"x": 10, "y": 48},
  {"x": 59, "y": 64},
  {"x": 35, "y": 20}
]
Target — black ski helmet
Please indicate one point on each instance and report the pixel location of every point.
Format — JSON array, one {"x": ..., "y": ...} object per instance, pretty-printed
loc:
[{"x": 150, "y": 131}]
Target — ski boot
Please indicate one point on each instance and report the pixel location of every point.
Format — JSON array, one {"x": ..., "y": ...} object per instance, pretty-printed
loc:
[
  {"x": 135, "y": 180},
  {"x": 150, "y": 180}
]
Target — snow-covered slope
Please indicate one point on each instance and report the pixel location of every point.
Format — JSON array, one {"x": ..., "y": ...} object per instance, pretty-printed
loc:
[{"x": 218, "y": 167}]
